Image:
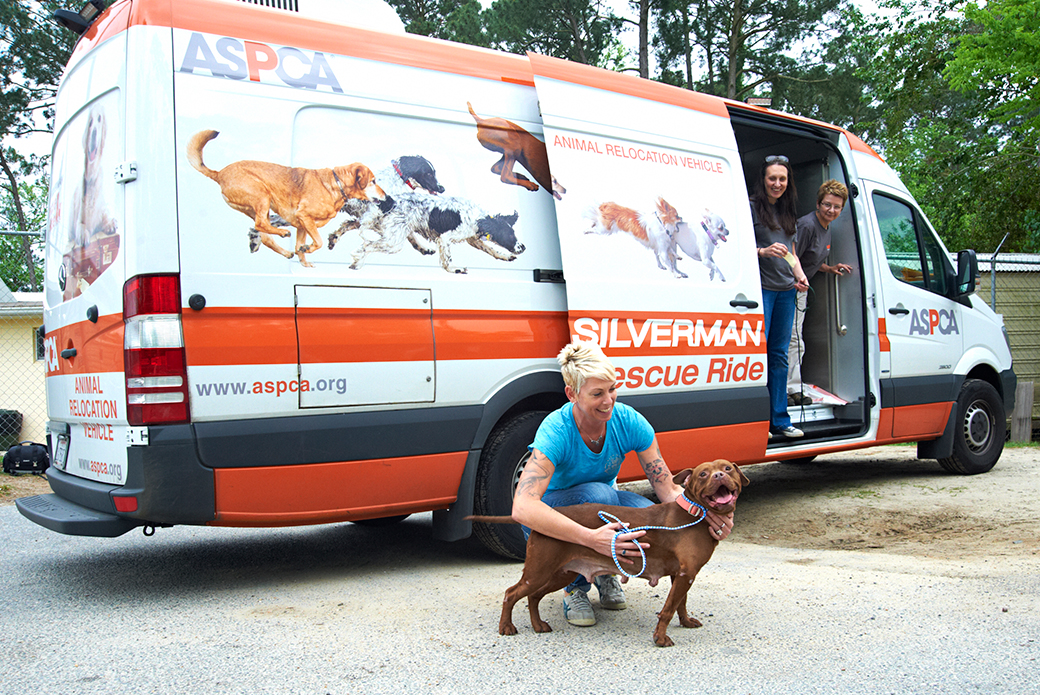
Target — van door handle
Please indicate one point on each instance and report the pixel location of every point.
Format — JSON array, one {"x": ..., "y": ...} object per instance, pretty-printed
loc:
[
  {"x": 898, "y": 311},
  {"x": 745, "y": 303},
  {"x": 68, "y": 353}
]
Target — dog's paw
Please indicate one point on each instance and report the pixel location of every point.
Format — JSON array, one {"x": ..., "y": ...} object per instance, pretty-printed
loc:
[
  {"x": 332, "y": 241},
  {"x": 458, "y": 271},
  {"x": 541, "y": 626},
  {"x": 254, "y": 241},
  {"x": 507, "y": 629},
  {"x": 663, "y": 641},
  {"x": 689, "y": 622}
]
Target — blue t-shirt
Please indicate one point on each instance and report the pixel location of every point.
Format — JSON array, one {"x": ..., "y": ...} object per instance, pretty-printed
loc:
[{"x": 558, "y": 438}]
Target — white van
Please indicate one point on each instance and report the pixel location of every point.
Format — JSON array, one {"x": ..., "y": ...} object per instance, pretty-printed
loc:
[{"x": 302, "y": 272}]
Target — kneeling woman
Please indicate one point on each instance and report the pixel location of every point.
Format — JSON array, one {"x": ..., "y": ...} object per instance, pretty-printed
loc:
[{"x": 575, "y": 459}]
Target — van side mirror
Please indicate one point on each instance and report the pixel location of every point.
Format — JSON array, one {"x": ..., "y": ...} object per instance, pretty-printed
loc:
[{"x": 967, "y": 273}]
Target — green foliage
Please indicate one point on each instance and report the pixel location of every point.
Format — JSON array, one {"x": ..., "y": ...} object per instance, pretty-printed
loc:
[
  {"x": 21, "y": 257},
  {"x": 580, "y": 30},
  {"x": 739, "y": 47},
  {"x": 970, "y": 168},
  {"x": 452, "y": 20}
]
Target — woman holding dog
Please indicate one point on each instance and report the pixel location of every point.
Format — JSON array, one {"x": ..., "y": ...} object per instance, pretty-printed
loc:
[
  {"x": 575, "y": 458},
  {"x": 774, "y": 212}
]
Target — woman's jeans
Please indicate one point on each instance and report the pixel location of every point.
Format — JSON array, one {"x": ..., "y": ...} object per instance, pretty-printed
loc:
[
  {"x": 779, "y": 310},
  {"x": 595, "y": 493}
]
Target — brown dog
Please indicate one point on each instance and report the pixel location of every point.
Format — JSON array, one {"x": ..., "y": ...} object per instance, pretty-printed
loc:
[
  {"x": 553, "y": 564},
  {"x": 516, "y": 146},
  {"x": 305, "y": 198}
]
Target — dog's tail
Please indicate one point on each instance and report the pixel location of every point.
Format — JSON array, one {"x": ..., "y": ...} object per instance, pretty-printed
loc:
[
  {"x": 473, "y": 113},
  {"x": 195, "y": 145},
  {"x": 492, "y": 519}
]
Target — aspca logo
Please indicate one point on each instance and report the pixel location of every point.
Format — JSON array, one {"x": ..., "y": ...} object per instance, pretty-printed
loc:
[
  {"x": 928, "y": 321},
  {"x": 50, "y": 354},
  {"x": 238, "y": 60}
]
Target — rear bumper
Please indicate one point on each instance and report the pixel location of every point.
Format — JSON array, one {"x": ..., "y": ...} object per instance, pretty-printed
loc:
[{"x": 61, "y": 515}]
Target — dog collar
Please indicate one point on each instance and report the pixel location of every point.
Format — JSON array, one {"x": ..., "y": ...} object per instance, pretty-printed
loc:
[
  {"x": 340, "y": 184},
  {"x": 400, "y": 174},
  {"x": 710, "y": 235},
  {"x": 687, "y": 504}
]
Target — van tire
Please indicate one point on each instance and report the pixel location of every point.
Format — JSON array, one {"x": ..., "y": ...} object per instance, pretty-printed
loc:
[
  {"x": 979, "y": 429},
  {"x": 503, "y": 459}
]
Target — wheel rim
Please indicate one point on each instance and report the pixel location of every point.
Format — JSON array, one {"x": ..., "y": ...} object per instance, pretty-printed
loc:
[
  {"x": 517, "y": 472},
  {"x": 978, "y": 426}
]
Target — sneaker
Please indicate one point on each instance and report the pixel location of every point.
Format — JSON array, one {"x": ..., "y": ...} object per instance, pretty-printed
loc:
[
  {"x": 791, "y": 399},
  {"x": 791, "y": 432},
  {"x": 577, "y": 609},
  {"x": 611, "y": 596},
  {"x": 802, "y": 399}
]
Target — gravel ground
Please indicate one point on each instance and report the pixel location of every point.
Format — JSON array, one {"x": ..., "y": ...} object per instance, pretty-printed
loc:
[{"x": 864, "y": 573}]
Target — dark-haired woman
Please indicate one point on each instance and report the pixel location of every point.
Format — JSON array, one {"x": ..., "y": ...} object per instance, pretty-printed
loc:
[{"x": 774, "y": 212}]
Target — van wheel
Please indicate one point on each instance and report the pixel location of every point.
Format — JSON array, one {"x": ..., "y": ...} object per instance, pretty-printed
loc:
[
  {"x": 981, "y": 426},
  {"x": 503, "y": 459}
]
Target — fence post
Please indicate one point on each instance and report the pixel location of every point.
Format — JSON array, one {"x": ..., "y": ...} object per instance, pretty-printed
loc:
[{"x": 1022, "y": 416}]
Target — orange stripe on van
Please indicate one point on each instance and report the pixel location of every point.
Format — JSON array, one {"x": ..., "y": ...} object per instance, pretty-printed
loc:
[
  {"x": 882, "y": 330},
  {"x": 225, "y": 336},
  {"x": 281, "y": 28},
  {"x": 339, "y": 491},
  {"x": 924, "y": 420},
  {"x": 99, "y": 346},
  {"x": 619, "y": 83}
]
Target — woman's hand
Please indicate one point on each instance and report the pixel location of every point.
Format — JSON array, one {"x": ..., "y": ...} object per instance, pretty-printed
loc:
[
  {"x": 776, "y": 250},
  {"x": 719, "y": 525},
  {"x": 627, "y": 547}
]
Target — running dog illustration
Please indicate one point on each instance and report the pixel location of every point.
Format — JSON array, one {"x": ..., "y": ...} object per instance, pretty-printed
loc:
[
  {"x": 432, "y": 224},
  {"x": 654, "y": 230},
  {"x": 306, "y": 199},
  {"x": 699, "y": 243},
  {"x": 517, "y": 146}
]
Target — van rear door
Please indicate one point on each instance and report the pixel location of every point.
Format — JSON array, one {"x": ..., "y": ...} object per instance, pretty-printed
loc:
[{"x": 657, "y": 246}]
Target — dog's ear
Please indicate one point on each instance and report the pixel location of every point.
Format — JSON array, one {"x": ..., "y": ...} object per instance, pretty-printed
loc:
[
  {"x": 361, "y": 174},
  {"x": 511, "y": 219},
  {"x": 743, "y": 478},
  {"x": 681, "y": 477}
]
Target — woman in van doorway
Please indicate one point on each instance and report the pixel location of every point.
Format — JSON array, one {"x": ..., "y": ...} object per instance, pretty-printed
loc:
[{"x": 774, "y": 212}]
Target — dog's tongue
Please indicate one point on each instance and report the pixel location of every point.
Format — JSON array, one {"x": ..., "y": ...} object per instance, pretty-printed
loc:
[{"x": 722, "y": 497}]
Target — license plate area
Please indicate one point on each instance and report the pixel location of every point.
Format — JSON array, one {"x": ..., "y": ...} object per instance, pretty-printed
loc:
[{"x": 61, "y": 451}]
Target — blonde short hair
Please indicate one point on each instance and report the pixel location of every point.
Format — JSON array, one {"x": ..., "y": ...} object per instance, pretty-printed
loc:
[
  {"x": 832, "y": 187},
  {"x": 583, "y": 360}
]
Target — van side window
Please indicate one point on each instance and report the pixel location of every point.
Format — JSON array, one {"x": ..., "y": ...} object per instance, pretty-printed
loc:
[{"x": 913, "y": 253}]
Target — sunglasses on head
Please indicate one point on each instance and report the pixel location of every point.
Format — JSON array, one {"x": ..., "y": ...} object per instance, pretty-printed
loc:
[{"x": 777, "y": 159}]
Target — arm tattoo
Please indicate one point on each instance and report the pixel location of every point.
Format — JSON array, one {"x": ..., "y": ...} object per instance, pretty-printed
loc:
[
  {"x": 656, "y": 470},
  {"x": 534, "y": 478}
]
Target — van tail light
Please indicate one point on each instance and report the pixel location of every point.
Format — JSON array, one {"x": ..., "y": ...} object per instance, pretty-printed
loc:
[{"x": 153, "y": 351}]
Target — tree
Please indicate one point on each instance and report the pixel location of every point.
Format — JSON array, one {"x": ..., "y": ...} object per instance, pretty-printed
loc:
[
  {"x": 967, "y": 168},
  {"x": 33, "y": 52},
  {"x": 452, "y": 20},
  {"x": 741, "y": 44},
  {"x": 584, "y": 31}
]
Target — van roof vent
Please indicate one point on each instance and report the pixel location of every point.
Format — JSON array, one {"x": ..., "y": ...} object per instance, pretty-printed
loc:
[{"x": 369, "y": 14}]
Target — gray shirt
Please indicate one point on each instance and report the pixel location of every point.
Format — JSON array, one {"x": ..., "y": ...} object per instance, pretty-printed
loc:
[
  {"x": 777, "y": 274},
  {"x": 812, "y": 243}
]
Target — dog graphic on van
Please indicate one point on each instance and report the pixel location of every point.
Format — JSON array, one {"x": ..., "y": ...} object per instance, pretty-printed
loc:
[
  {"x": 432, "y": 224},
  {"x": 517, "y": 146},
  {"x": 699, "y": 242},
  {"x": 306, "y": 199},
  {"x": 654, "y": 229},
  {"x": 92, "y": 236}
]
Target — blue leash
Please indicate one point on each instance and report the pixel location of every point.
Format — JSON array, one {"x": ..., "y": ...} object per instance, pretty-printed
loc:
[{"x": 608, "y": 518}]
